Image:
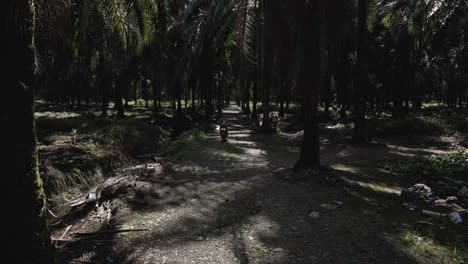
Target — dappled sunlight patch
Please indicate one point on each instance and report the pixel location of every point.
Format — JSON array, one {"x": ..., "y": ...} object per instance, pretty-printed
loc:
[
  {"x": 363, "y": 197},
  {"x": 192, "y": 168},
  {"x": 337, "y": 130},
  {"x": 347, "y": 168},
  {"x": 56, "y": 115},
  {"x": 374, "y": 186}
]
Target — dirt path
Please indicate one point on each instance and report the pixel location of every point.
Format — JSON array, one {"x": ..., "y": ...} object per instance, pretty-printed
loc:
[{"x": 222, "y": 204}]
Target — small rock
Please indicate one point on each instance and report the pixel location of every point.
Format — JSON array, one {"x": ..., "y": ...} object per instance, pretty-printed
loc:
[
  {"x": 463, "y": 192},
  {"x": 294, "y": 228},
  {"x": 326, "y": 254},
  {"x": 278, "y": 250},
  {"x": 314, "y": 215},
  {"x": 199, "y": 238},
  {"x": 455, "y": 218}
]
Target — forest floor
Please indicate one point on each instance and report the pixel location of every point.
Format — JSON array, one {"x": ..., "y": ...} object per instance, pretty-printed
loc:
[{"x": 223, "y": 203}]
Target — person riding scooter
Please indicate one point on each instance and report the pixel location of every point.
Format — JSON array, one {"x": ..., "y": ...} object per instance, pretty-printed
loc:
[{"x": 223, "y": 130}]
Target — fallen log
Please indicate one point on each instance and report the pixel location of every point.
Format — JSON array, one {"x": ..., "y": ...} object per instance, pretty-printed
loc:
[
  {"x": 93, "y": 195},
  {"x": 114, "y": 231}
]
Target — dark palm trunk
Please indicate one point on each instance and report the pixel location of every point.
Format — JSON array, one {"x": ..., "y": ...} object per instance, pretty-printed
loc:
[
  {"x": 260, "y": 59},
  {"x": 327, "y": 94},
  {"x": 118, "y": 96},
  {"x": 360, "y": 131},
  {"x": 266, "y": 59},
  {"x": 25, "y": 219},
  {"x": 310, "y": 67},
  {"x": 127, "y": 90},
  {"x": 155, "y": 84},
  {"x": 135, "y": 91},
  {"x": 254, "y": 100},
  {"x": 281, "y": 98},
  {"x": 179, "y": 97},
  {"x": 247, "y": 97},
  {"x": 160, "y": 93},
  {"x": 193, "y": 85},
  {"x": 220, "y": 96},
  {"x": 79, "y": 89},
  {"x": 186, "y": 94},
  {"x": 104, "y": 84},
  {"x": 206, "y": 80},
  {"x": 145, "y": 91}
]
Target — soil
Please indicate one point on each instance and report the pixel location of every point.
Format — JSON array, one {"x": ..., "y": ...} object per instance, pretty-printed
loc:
[{"x": 222, "y": 203}]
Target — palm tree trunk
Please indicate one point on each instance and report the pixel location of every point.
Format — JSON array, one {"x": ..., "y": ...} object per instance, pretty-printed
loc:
[
  {"x": 155, "y": 84},
  {"x": 118, "y": 96},
  {"x": 359, "y": 132},
  {"x": 145, "y": 91},
  {"x": 193, "y": 85},
  {"x": 207, "y": 81},
  {"x": 310, "y": 79},
  {"x": 264, "y": 69},
  {"x": 254, "y": 101},
  {"x": 220, "y": 106},
  {"x": 26, "y": 215}
]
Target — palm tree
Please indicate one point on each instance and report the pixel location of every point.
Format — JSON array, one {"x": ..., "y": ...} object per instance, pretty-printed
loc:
[
  {"x": 311, "y": 45},
  {"x": 26, "y": 221},
  {"x": 214, "y": 22},
  {"x": 362, "y": 78}
]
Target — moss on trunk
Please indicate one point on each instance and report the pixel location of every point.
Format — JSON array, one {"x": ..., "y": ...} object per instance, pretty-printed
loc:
[{"x": 25, "y": 206}]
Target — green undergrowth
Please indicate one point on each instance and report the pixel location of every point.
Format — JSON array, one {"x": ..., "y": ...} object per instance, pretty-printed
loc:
[
  {"x": 133, "y": 136},
  {"x": 79, "y": 149},
  {"x": 187, "y": 142},
  {"x": 451, "y": 165},
  {"x": 426, "y": 124},
  {"x": 437, "y": 238},
  {"x": 232, "y": 148},
  {"x": 427, "y": 239},
  {"x": 407, "y": 126}
]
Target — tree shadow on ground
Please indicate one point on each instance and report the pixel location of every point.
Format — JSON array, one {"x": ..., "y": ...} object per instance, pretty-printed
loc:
[{"x": 210, "y": 207}]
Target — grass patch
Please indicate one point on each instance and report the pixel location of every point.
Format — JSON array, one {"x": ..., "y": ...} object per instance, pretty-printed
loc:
[
  {"x": 438, "y": 239},
  {"x": 78, "y": 148},
  {"x": 132, "y": 136},
  {"x": 232, "y": 148},
  {"x": 407, "y": 126},
  {"x": 187, "y": 142},
  {"x": 450, "y": 165},
  {"x": 427, "y": 123}
]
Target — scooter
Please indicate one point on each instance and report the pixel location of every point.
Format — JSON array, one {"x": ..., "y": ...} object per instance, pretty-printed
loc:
[{"x": 223, "y": 132}]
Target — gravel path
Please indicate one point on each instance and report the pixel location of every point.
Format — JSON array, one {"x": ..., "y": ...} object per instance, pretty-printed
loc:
[{"x": 222, "y": 204}]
